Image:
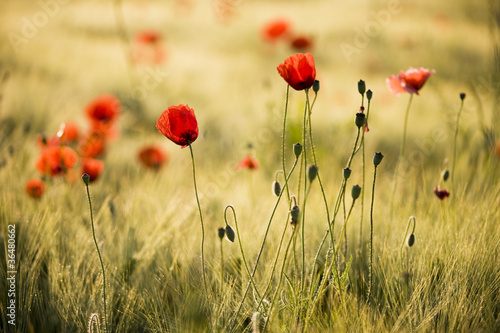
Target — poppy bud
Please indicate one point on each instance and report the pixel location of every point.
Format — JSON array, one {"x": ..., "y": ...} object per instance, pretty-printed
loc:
[
  {"x": 86, "y": 179},
  {"x": 346, "y": 172},
  {"x": 355, "y": 192},
  {"x": 445, "y": 174},
  {"x": 221, "y": 232},
  {"x": 229, "y": 233},
  {"x": 295, "y": 212},
  {"x": 297, "y": 149},
  {"x": 410, "y": 240},
  {"x": 377, "y": 158},
  {"x": 361, "y": 87},
  {"x": 312, "y": 172},
  {"x": 462, "y": 96},
  {"x": 316, "y": 86},
  {"x": 360, "y": 119},
  {"x": 276, "y": 188},
  {"x": 369, "y": 94}
]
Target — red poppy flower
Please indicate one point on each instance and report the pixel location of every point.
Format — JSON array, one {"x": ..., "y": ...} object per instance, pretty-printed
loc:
[
  {"x": 103, "y": 111},
  {"x": 441, "y": 194},
  {"x": 68, "y": 132},
  {"x": 148, "y": 37},
  {"x": 93, "y": 145},
  {"x": 152, "y": 157},
  {"x": 248, "y": 162},
  {"x": 275, "y": 29},
  {"x": 410, "y": 81},
  {"x": 178, "y": 123},
  {"x": 56, "y": 160},
  {"x": 298, "y": 71},
  {"x": 35, "y": 188},
  {"x": 92, "y": 167},
  {"x": 301, "y": 43}
]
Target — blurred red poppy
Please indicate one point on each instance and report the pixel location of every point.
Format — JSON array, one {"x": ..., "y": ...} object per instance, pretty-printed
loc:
[
  {"x": 248, "y": 162},
  {"x": 178, "y": 123},
  {"x": 35, "y": 188},
  {"x": 44, "y": 142},
  {"x": 441, "y": 194},
  {"x": 298, "y": 71},
  {"x": 93, "y": 145},
  {"x": 148, "y": 37},
  {"x": 152, "y": 157},
  {"x": 301, "y": 43},
  {"x": 56, "y": 160},
  {"x": 410, "y": 81},
  {"x": 275, "y": 29},
  {"x": 92, "y": 167},
  {"x": 103, "y": 111},
  {"x": 68, "y": 132}
]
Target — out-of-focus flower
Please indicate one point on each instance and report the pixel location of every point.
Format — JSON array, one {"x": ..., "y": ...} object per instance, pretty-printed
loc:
[
  {"x": 276, "y": 29},
  {"x": 441, "y": 193},
  {"x": 148, "y": 48},
  {"x": 248, "y": 162},
  {"x": 44, "y": 142},
  {"x": 301, "y": 43},
  {"x": 152, "y": 157},
  {"x": 92, "y": 167},
  {"x": 93, "y": 145},
  {"x": 56, "y": 160},
  {"x": 410, "y": 81},
  {"x": 68, "y": 132},
  {"x": 35, "y": 188},
  {"x": 298, "y": 71},
  {"x": 103, "y": 111},
  {"x": 178, "y": 123}
]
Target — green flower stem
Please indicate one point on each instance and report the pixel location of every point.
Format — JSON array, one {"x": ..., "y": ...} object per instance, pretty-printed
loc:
[
  {"x": 401, "y": 155},
  {"x": 411, "y": 219},
  {"x": 201, "y": 223},
  {"x": 364, "y": 177},
  {"x": 304, "y": 154},
  {"x": 241, "y": 247},
  {"x": 100, "y": 259},
  {"x": 264, "y": 241},
  {"x": 370, "y": 272},
  {"x": 221, "y": 268},
  {"x": 283, "y": 266},
  {"x": 283, "y": 141},
  {"x": 455, "y": 151}
]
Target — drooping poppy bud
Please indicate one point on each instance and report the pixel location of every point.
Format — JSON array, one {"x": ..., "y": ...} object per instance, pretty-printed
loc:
[
  {"x": 445, "y": 174},
  {"x": 410, "y": 240},
  {"x": 312, "y": 172},
  {"x": 297, "y": 149},
  {"x": 230, "y": 233},
  {"x": 355, "y": 192},
  {"x": 377, "y": 158},
  {"x": 276, "y": 188}
]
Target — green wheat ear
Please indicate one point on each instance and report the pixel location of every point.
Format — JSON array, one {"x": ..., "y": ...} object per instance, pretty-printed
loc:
[{"x": 94, "y": 325}]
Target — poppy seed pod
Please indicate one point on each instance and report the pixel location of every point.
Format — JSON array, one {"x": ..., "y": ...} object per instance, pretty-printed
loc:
[
  {"x": 360, "y": 119},
  {"x": 410, "y": 240},
  {"x": 369, "y": 94},
  {"x": 361, "y": 87},
  {"x": 276, "y": 188},
  {"x": 297, "y": 149},
  {"x": 377, "y": 158},
  {"x": 312, "y": 172},
  {"x": 86, "y": 179},
  {"x": 445, "y": 174},
  {"x": 316, "y": 86},
  {"x": 346, "y": 172},
  {"x": 221, "y": 232},
  {"x": 462, "y": 96},
  {"x": 229, "y": 233},
  {"x": 295, "y": 212},
  {"x": 355, "y": 192}
]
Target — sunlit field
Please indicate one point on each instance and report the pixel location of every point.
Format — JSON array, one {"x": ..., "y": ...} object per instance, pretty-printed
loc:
[{"x": 224, "y": 224}]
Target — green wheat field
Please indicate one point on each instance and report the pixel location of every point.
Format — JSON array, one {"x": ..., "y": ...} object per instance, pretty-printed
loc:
[{"x": 280, "y": 274}]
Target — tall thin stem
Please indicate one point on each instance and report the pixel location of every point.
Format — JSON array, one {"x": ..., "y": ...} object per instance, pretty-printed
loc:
[
  {"x": 401, "y": 155},
  {"x": 283, "y": 140},
  {"x": 100, "y": 258},
  {"x": 370, "y": 272},
  {"x": 201, "y": 222},
  {"x": 455, "y": 150},
  {"x": 304, "y": 153}
]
